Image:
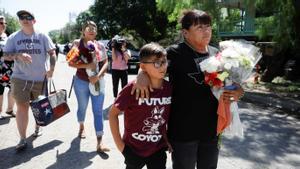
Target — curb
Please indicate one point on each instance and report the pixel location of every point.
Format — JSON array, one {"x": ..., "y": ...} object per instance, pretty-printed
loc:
[{"x": 286, "y": 103}]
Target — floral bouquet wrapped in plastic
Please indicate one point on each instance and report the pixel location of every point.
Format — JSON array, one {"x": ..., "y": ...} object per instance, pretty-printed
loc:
[
  {"x": 94, "y": 88},
  {"x": 75, "y": 57},
  {"x": 232, "y": 65}
]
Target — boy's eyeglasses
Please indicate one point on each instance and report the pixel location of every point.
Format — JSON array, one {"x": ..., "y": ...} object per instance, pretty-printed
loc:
[
  {"x": 27, "y": 17},
  {"x": 2, "y": 23},
  {"x": 158, "y": 64}
]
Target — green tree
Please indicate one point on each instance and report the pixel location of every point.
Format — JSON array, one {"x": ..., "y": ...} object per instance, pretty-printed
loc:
[
  {"x": 284, "y": 18},
  {"x": 141, "y": 16},
  {"x": 12, "y": 22},
  {"x": 174, "y": 10},
  {"x": 55, "y": 36}
]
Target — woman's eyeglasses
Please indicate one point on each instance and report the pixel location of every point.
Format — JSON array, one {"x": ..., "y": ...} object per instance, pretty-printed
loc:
[
  {"x": 204, "y": 27},
  {"x": 2, "y": 23},
  {"x": 27, "y": 17},
  {"x": 157, "y": 64}
]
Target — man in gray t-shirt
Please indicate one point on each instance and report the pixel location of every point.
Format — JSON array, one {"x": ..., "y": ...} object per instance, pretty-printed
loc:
[{"x": 29, "y": 50}]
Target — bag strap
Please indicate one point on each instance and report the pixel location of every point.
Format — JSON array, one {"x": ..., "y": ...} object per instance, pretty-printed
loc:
[
  {"x": 72, "y": 84},
  {"x": 45, "y": 87},
  {"x": 52, "y": 83},
  {"x": 45, "y": 90}
]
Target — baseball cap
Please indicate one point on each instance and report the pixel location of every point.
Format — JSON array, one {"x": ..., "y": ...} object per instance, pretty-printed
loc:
[{"x": 22, "y": 12}]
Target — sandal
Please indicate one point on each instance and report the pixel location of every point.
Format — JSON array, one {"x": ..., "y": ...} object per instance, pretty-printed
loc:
[
  {"x": 11, "y": 113},
  {"x": 21, "y": 145},
  {"x": 81, "y": 133},
  {"x": 37, "y": 132},
  {"x": 101, "y": 149}
]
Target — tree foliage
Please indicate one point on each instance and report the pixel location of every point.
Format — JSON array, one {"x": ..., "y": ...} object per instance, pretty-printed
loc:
[
  {"x": 174, "y": 10},
  {"x": 12, "y": 22},
  {"x": 141, "y": 16}
]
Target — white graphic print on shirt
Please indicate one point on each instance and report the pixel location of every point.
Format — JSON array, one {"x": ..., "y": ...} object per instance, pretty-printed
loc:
[{"x": 152, "y": 123}]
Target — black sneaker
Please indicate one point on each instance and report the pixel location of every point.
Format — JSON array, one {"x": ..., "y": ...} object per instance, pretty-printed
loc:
[{"x": 21, "y": 145}]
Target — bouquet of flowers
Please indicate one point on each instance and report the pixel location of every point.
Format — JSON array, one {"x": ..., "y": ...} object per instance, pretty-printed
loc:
[
  {"x": 94, "y": 88},
  {"x": 75, "y": 57},
  {"x": 232, "y": 65}
]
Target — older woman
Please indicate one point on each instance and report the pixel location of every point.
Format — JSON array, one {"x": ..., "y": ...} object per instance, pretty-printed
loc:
[
  {"x": 93, "y": 57},
  {"x": 193, "y": 119}
]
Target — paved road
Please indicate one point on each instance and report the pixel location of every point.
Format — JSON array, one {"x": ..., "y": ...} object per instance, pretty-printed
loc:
[{"x": 271, "y": 139}]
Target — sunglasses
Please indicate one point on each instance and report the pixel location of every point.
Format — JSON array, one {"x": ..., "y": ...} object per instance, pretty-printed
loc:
[
  {"x": 3, "y": 23},
  {"x": 91, "y": 29},
  {"x": 27, "y": 17},
  {"x": 157, "y": 64}
]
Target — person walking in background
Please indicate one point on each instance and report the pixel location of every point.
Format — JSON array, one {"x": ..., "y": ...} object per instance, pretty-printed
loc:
[
  {"x": 82, "y": 81},
  {"x": 6, "y": 72},
  {"x": 28, "y": 48},
  {"x": 192, "y": 128},
  {"x": 144, "y": 141},
  {"x": 56, "y": 50},
  {"x": 120, "y": 56}
]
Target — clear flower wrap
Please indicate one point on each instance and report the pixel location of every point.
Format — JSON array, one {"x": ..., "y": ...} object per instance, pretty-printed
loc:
[
  {"x": 233, "y": 64},
  {"x": 75, "y": 57}
]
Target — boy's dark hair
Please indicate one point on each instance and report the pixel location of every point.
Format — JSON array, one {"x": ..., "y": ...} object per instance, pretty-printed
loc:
[
  {"x": 152, "y": 49},
  {"x": 194, "y": 17}
]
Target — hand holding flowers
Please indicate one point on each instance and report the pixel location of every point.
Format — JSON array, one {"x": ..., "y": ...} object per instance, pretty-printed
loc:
[
  {"x": 93, "y": 73},
  {"x": 92, "y": 69},
  {"x": 232, "y": 66}
]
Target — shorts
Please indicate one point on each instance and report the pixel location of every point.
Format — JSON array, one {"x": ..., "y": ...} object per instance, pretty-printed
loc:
[
  {"x": 155, "y": 161},
  {"x": 25, "y": 90}
]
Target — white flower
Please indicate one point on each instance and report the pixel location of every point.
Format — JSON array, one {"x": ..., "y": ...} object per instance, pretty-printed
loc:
[{"x": 210, "y": 65}]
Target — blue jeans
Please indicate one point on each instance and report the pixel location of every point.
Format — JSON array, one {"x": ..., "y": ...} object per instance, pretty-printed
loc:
[
  {"x": 187, "y": 155},
  {"x": 83, "y": 94}
]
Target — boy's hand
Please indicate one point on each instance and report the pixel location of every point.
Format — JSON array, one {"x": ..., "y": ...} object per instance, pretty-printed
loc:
[
  {"x": 170, "y": 148},
  {"x": 121, "y": 147}
]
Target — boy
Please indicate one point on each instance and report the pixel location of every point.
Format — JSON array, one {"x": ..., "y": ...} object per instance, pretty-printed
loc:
[{"x": 144, "y": 140}]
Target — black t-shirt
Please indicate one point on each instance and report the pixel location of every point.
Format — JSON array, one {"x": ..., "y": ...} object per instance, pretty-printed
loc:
[{"x": 194, "y": 108}]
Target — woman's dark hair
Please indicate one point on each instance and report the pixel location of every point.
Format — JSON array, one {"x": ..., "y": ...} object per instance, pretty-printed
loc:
[
  {"x": 118, "y": 47},
  {"x": 194, "y": 17},
  {"x": 89, "y": 23},
  {"x": 152, "y": 49}
]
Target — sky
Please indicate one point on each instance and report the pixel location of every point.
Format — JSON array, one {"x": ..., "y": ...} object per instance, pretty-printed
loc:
[{"x": 49, "y": 14}]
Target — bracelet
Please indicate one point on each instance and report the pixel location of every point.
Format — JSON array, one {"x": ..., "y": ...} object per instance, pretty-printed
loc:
[{"x": 242, "y": 95}]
